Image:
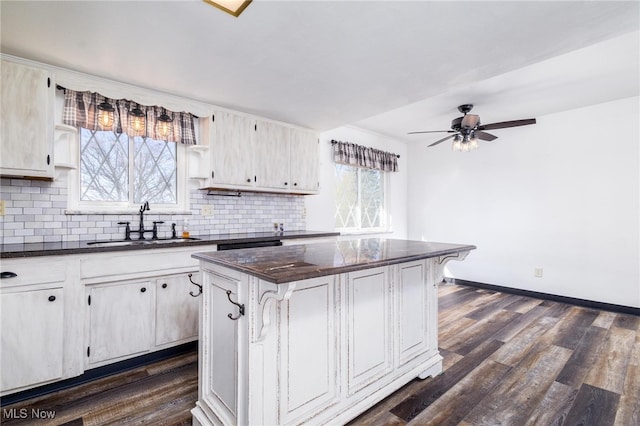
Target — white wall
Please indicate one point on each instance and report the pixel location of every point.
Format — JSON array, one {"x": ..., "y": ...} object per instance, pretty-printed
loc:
[
  {"x": 321, "y": 207},
  {"x": 562, "y": 195}
]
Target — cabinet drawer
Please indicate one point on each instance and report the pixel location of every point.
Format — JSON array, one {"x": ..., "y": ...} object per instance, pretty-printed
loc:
[{"x": 30, "y": 272}]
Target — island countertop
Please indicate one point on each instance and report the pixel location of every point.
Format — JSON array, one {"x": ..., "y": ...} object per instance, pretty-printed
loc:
[{"x": 298, "y": 262}]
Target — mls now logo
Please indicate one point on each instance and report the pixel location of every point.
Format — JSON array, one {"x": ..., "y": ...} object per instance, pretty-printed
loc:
[{"x": 23, "y": 413}]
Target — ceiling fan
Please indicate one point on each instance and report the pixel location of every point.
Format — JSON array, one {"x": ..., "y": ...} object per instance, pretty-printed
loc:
[{"x": 466, "y": 130}]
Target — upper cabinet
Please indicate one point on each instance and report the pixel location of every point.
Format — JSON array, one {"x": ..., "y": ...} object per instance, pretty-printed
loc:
[
  {"x": 231, "y": 146},
  {"x": 272, "y": 155},
  {"x": 304, "y": 161},
  {"x": 263, "y": 156},
  {"x": 26, "y": 123}
]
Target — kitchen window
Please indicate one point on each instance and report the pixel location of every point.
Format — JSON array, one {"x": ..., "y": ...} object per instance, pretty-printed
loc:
[
  {"x": 360, "y": 199},
  {"x": 135, "y": 154},
  {"x": 117, "y": 168}
]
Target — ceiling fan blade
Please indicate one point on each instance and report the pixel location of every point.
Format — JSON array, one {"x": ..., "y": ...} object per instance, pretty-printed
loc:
[
  {"x": 485, "y": 136},
  {"x": 432, "y": 131},
  {"x": 505, "y": 124},
  {"x": 441, "y": 140}
]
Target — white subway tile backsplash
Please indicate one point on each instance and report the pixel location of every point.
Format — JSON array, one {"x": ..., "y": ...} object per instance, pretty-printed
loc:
[{"x": 35, "y": 212}]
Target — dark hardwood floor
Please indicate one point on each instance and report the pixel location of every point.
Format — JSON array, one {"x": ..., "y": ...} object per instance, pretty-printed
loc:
[{"x": 509, "y": 360}]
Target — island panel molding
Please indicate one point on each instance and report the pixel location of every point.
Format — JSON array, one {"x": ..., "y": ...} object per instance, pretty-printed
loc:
[{"x": 330, "y": 329}]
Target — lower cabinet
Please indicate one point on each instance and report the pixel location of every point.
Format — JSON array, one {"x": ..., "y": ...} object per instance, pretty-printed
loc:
[
  {"x": 130, "y": 318},
  {"x": 120, "y": 320},
  {"x": 41, "y": 337},
  {"x": 176, "y": 309},
  {"x": 32, "y": 336},
  {"x": 315, "y": 351},
  {"x": 368, "y": 326}
]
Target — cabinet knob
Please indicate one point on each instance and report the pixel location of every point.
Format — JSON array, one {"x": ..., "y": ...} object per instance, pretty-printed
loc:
[
  {"x": 295, "y": 183},
  {"x": 143, "y": 289},
  {"x": 164, "y": 285},
  {"x": 52, "y": 298},
  {"x": 286, "y": 183},
  {"x": 249, "y": 180}
]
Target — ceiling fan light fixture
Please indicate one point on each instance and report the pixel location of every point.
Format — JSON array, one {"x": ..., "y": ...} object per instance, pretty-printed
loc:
[
  {"x": 232, "y": 7},
  {"x": 473, "y": 142},
  {"x": 456, "y": 146}
]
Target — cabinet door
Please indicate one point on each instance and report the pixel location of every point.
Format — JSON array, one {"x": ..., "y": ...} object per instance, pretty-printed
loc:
[
  {"x": 26, "y": 134},
  {"x": 308, "y": 349},
  {"x": 368, "y": 333},
  {"x": 232, "y": 150},
  {"x": 272, "y": 156},
  {"x": 176, "y": 309},
  {"x": 120, "y": 320},
  {"x": 413, "y": 311},
  {"x": 32, "y": 337},
  {"x": 304, "y": 161},
  {"x": 218, "y": 348}
]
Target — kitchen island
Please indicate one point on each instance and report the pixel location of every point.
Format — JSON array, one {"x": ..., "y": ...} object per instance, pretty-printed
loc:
[{"x": 316, "y": 333}]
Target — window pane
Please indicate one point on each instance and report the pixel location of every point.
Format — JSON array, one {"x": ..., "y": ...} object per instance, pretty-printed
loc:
[
  {"x": 371, "y": 198},
  {"x": 346, "y": 196},
  {"x": 155, "y": 165},
  {"x": 104, "y": 163}
]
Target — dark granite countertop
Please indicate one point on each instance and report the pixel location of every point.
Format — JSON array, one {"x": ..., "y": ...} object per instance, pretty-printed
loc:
[
  {"x": 8, "y": 251},
  {"x": 298, "y": 262}
]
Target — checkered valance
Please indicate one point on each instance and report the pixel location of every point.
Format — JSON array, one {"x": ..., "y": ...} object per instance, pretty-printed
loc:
[
  {"x": 81, "y": 110},
  {"x": 362, "y": 156}
]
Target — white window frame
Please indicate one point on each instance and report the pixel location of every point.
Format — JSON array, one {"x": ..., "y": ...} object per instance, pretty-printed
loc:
[
  {"x": 384, "y": 217},
  {"x": 76, "y": 205}
]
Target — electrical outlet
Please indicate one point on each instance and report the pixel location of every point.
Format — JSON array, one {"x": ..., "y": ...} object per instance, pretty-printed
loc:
[
  {"x": 1, "y": 207},
  {"x": 537, "y": 272},
  {"x": 207, "y": 210}
]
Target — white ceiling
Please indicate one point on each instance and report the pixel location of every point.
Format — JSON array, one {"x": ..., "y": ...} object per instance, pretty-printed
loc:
[{"x": 388, "y": 66}]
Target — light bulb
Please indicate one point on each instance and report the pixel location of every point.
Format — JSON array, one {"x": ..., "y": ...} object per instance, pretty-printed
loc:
[
  {"x": 137, "y": 120},
  {"x": 164, "y": 126},
  {"x": 473, "y": 142},
  {"x": 455, "y": 146},
  {"x": 105, "y": 115}
]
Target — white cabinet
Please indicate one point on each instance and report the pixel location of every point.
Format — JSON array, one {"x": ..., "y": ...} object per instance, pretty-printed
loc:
[
  {"x": 368, "y": 327},
  {"x": 26, "y": 122},
  {"x": 315, "y": 351},
  {"x": 41, "y": 335},
  {"x": 232, "y": 150},
  {"x": 272, "y": 156},
  {"x": 260, "y": 155},
  {"x": 415, "y": 336},
  {"x": 304, "y": 160},
  {"x": 219, "y": 352},
  {"x": 120, "y": 321},
  {"x": 32, "y": 337},
  {"x": 312, "y": 310},
  {"x": 138, "y": 303},
  {"x": 176, "y": 310}
]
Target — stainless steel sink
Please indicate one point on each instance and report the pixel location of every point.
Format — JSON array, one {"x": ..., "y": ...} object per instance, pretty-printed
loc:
[{"x": 116, "y": 243}]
